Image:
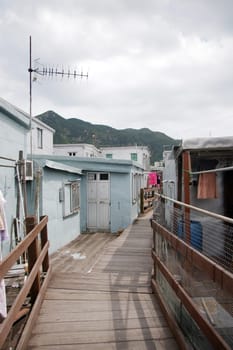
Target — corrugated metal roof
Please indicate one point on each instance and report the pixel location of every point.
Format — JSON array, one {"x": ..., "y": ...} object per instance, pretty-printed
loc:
[
  {"x": 63, "y": 167},
  {"x": 208, "y": 143},
  {"x": 91, "y": 164}
]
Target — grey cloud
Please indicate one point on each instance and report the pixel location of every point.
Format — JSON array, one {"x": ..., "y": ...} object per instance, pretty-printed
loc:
[{"x": 157, "y": 64}]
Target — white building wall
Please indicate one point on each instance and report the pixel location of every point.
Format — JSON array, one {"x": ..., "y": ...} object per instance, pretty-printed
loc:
[
  {"x": 143, "y": 154},
  {"x": 77, "y": 150},
  {"x": 42, "y": 138}
]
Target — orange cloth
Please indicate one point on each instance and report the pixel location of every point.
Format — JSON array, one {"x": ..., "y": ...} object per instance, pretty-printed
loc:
[{"x": 207, "y": 187}]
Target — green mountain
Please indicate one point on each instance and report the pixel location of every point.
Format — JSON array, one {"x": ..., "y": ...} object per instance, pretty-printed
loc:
[{"x": 78, "y": 131}]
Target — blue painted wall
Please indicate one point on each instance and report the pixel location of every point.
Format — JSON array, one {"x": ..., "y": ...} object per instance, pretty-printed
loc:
[
  {"x": 13, "y": 137},
  {"x": 121, "y": 202},
  {"x": 122, "y": 210},
  {"x": 61, "y": 230}
]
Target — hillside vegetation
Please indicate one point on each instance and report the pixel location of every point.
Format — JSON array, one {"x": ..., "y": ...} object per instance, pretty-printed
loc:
[{"x": 78, "y": 131}]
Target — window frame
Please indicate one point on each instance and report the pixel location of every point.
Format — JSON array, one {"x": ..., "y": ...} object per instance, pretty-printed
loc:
[
  {"x": 39, "y": 138},
  {"x": 136, "y": 186},
  {"x": 109, "y": 155},
  {"x": 71, "y": 198},
  {"x": 134, "y": 156}
]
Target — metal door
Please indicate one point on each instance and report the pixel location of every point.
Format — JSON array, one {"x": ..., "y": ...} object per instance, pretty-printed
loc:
[{"x": 98, "y": 201}]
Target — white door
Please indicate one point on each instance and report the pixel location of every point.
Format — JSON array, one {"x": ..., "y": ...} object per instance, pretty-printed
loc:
[{"x": 98, "y": 201}]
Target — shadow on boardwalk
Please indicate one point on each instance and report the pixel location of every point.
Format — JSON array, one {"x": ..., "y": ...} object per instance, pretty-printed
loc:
[{"x": 100, "y": 297}]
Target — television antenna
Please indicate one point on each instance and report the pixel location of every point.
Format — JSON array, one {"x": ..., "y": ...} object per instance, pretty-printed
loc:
[{"x": 49, "y": 72}]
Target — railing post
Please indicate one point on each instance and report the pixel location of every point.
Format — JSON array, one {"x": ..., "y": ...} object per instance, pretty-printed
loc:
[
  {"x": 142, "y": 200},
  {"x": 186, "y": 174},
  {"x": 44, "y": 240},
  {"x": 32, "y": 257},
  {"x": 154, "y": 249}
]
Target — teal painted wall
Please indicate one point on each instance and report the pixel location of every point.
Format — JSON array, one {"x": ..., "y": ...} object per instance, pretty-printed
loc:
[
  {"x": 13, "y": 137},
  {"x": 60, "y": 230},
  {"x": 122, "y": 211},
  {"x": 121, "y": 202}
]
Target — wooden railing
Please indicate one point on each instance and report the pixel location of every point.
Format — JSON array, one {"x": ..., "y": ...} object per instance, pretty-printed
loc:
[
  {"x": 147, "y": 195},
  {"x": 35, "y": 246},
  {"x": 192, "y": 259}
]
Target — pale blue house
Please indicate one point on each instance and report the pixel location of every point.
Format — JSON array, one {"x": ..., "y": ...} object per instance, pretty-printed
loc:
[
  {"x": 14, "y": 128},
  {"x": 77, "y": 194},
  {"x": 109, "y": 191},
  {"x": 57, "y": 189},
  {"x": 51, "y": 189}
]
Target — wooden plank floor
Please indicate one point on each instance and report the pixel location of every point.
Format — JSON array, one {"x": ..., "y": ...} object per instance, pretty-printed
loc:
[{"x": 99, "y": 297}]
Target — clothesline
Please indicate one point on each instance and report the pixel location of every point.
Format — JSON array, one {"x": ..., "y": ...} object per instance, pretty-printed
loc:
[
  {"x": 10, "y": 159},
  {"x": 211, "y": 170},
  {"x": 7, "y": 166}
]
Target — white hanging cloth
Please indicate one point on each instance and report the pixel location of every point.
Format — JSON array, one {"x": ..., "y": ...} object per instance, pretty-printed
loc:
[
  {"x": 3, "y": 223},
  {"x": 3, "y": 237}
]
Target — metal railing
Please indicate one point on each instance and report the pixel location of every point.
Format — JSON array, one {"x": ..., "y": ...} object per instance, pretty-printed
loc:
[{"x": 192, "y": 271}]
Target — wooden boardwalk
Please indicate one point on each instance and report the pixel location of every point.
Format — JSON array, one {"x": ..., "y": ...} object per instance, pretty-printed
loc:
[{"x": 99, "y": 297}]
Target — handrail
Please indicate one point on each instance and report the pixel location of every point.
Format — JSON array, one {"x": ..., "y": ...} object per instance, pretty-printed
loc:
[
  {"x": 37, "y": 251},
  {"x": 11, "y": 258},
  {"x": 199, "y": 210},
  {"x": 194, "y": 258}
]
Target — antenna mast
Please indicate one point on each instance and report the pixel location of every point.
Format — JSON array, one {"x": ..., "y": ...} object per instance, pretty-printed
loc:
[
  {"x": 46, "y": 71},
  {"x": 30, "y": 91}
]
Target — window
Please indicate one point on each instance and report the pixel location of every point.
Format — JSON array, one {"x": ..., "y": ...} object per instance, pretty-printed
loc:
[
  {"x": 134, "y": 156},
  {"x": 103, "y": 176},
  {"x": 92, "y": 177},
  {"x": 72, "y": 154},
  {"x": 39, "y": 138},
  {"x": 71, "y": 203},
  {"x": 109, "y": 155}
]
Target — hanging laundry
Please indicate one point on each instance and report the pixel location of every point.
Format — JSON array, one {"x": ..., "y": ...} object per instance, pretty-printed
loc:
[
  {"x": 152, "y": 179},
  {"x": 3, "y": 225},
  {"x": 3, "y": 236},
  {"x": 3, "y": 309},
  {"x": 207, "y": 187}
]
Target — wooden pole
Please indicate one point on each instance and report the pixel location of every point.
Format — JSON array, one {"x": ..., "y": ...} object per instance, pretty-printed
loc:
[
  {"x": 142, "y": 200},
  {"x": 186, "y": 174},
  {"x": 33, "y": 253},
  {"x": 23, "y": 180},
  {"x": 44, "y": 240}
]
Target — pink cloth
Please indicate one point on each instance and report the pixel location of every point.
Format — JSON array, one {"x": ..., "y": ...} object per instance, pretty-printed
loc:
[{"x": 152, "y": 177}]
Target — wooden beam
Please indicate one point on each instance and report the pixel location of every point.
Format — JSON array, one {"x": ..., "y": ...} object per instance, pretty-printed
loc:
[
  {"x": 214, "y": 338},
  {"x": 25, "y": 336},
  {"x": 10, "y": 260},
  {"x": 215, "y": 272},
  {"x": 15, "y": 308},
  {"x": 33, "y": 252},
  {"x": 170, "y": 319},
  {"x": 142, "y": 200},
  {"x": 44, "y": 240}
]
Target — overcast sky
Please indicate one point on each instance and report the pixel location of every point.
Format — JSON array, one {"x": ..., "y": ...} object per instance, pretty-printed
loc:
[{"x": 159, "y": 64}]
